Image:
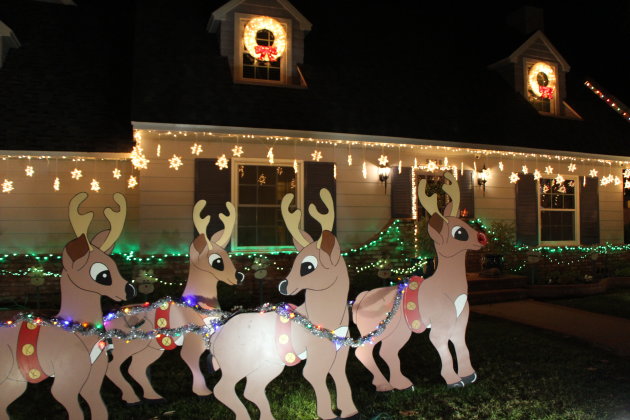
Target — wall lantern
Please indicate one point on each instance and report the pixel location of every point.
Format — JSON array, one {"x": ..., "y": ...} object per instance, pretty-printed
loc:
[
  {"x": 482, "y": 178},
  {"x": 383, "y": 174}
]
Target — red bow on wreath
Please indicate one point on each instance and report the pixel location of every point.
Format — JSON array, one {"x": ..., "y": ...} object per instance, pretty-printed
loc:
[
  {"x": 266, "y": 51},
  {"x": 546, "y": 92}
]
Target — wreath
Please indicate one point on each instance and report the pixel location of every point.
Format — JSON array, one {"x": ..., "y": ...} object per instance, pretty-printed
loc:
[
  {"x": 265, "y": 52},
  {"x": 542, "y": 80}
]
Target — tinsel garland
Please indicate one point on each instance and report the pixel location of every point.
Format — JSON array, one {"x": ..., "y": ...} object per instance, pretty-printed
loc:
[{"x": 186, "y": 303}]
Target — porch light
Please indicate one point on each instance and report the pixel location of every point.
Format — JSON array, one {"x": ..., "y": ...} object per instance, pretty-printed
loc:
[
  {"x": 482, "y": 177},
  {"x": 383, "y": 174}
]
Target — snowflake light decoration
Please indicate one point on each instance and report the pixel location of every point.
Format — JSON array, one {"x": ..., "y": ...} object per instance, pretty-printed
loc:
[
  {"x": 382, "y": 160},
  {"x": 572, "y": 167},
  {"x": 316, "y": 155},
  {"x": 237, "y": 151},
  {"x": 537, "y": 174},
  {"x": 349, "y": 160},
  {"x": 117, "y": 173},
  {"x": 56, "y": 184},
  {"x": 138, "y": 159},
  {"x": 559, "y": 179},
  {"x": 95, "y": 186},
  {"x": 549, "y": 170},
  {"x": 196, "y": 149},
  {"x": 592, "y": 173},
  {"x": 175, "y": 162},
  {"x": 270, "y": 156},
  {"x": 514, "y": 178},
  {"x": 431, "y": 166},
  {"x": 364, "y": 170},
  {"x": 132, "y": 182},
  {"x": 222, "y": 162},
  {"x": 626, "y": 173},
  {"x": 617, "y": 180},
  {"x": 7, "y": 186},
  {"x": 525, "y": 169},
  {"x": 279, "y": 170},
  {"x": 29, "y": 171},
  {"x": 627, "y": 184},
  {"x": 76, "y": 174},
  {"x": 262, "y": 179}
]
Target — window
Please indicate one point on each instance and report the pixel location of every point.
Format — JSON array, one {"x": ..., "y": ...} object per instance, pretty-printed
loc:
[
  {"x": 269, "y": 40},
  {"x": 541, "y": 86},
  {"x": 557, "y": 204},
  {"x": 257, "y": 191}
]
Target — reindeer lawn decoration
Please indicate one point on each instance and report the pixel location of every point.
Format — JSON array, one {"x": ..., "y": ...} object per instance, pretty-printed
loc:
[
  {"x": 33, "y": 352},
  {"x": 209, "y": 264},
  {"x": 439, "y": 302},
  {"x": 259, "y": 345}
]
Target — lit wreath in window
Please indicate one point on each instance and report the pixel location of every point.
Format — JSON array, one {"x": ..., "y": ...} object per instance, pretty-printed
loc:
[
  {"x": 264, "y": 52},
  {"x": 542, "y": 80}
]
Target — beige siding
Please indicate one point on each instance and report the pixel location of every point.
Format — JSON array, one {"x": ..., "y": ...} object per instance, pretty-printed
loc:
[{"x": 611, "y": 214}]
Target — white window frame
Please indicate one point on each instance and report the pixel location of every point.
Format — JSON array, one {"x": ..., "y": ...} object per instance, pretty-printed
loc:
[
  {"x": 554, "y": 102},
  {"x": 240, "y": 20},
  {"x": 576, "y": 211},
  {"x": 235, "y": 162}
]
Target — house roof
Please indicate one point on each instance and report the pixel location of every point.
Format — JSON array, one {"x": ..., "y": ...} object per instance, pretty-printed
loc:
[
  {"x": 536, "y": 37},
  {"x": 220, "y": 14},
  {"x": 371, "y": 69}
]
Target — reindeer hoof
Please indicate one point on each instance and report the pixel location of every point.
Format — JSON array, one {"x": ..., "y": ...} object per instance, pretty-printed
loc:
[
  {"x": 355, "y": 416},
  {"x": 409, "y": 389},
  {"x": 133, "y": 404},
  {"x": 459, "y": 384},
  {"x": 154, "y": 400},
  {"x": 205, "y": 397},
  {"x": 470, "y": 379}
]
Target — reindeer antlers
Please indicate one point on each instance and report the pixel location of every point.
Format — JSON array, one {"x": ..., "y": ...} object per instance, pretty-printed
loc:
[
  {"x": 430, "y": 202},
  {"x": 116, "y": 221},
  {"x": 80, "y": 222},
  {"x": 292, "y": 220},
  {"x": 228, "y": 222},
  {"x": 325, "y": 220}
]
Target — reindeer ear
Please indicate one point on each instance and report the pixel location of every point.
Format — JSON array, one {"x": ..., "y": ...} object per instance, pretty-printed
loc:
[
  {"x": 216, "y": 236},
  {"x": 76, "y": 253},
  {"x": 99, "y": 239},
  {"x": 306, "y": 236},
  {"x": 435, "y": 228},
  {"x": 448, "y": 209},
  {"x": 330, "y": 251},
  {"x": 199, "y": 243}
]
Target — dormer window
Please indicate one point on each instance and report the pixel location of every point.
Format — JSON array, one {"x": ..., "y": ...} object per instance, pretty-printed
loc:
[
  {"x": 542, "y": 86},
  {"x": 263, "y": 49}
]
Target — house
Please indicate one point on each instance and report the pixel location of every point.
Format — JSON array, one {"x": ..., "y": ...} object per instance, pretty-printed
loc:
[{"x": 247, "y": 100}]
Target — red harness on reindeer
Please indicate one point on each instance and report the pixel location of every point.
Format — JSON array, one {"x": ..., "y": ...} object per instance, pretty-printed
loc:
[{"x": 410, "y": 305}]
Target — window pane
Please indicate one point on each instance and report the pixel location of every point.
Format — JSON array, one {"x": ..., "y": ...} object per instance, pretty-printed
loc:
[
  {"x": 247, "y": 194},
  {"x": 545, "y": 201},
  {"x": 247, "y": 216},
  {"x": 246, "y": 236}
]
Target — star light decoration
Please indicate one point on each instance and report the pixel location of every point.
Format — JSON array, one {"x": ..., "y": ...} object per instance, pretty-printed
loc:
[
  {"x": 222, "y": 162},
  {"x": 175, "y": 162},
  {"x": 56, "y": 184},
  {"x": 132, "y": 182},
  {"x": 76, "y": 174},
  {"x": 382, "y": 160},
  {"x": 29, "y": 171},
  {"x": 270, "y": 156},
  {"x": 549, "y": 170},
  {"x": 572, "y": 167},
  {"x": 237, "y": 151},
  {"x": 196, "y": 149},
  {"x": 95, "y": 186},
  {"x": 514, "y": 178},
  {"x": 537, "y": 175},
  {"x": 316, "y": 155},
  {"x": 592, "y": 173},
  {"x": 7, "y": 186},
  {"x": 525, "y": 170},
  {"x": 117, "y": 173}
]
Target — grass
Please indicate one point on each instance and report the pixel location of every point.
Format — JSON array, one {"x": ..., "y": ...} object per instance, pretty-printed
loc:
[
  {"x": 524, "y": 373},
  {"x": 615, "y": 303}
]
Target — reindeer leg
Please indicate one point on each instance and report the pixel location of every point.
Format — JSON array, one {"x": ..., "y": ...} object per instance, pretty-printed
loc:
[
  {"x": 140, "y": 362},
  {"x": 464, "y": 366},
  {"x": 389, "y": 352},
  {"x": 439, "y": 338},
  {"x": 66, "y": 389},
  {"x": 344, "y": 392},
  {"x": 365, "y": 354},
  {"x": 122, "y": 351},
  {"x": 10, "y": 390},
  {"x": 315, "y": 372},
  {"x": 224, "y": 391},
  {"x": 91, "y": 390},
  {"x": 257, "y": 381},
  {"x": 191, "y": 351}
]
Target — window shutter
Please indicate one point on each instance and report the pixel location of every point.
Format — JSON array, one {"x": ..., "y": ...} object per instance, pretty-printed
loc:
[
  {"x": 589, "y": 211},
  {"x": 318, "y": 175},
  {"x": 401, "y": 193},
  {"x": 212, "y": 185},
  {"x": 467, "y": 193},
  {"x": 527, "y": 211}
]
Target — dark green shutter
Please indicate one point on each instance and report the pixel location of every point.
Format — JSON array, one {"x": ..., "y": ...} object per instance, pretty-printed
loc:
[
  {"x": 318, "y": 175},
  {"x": 589, "y": 211},
  {"x": 212, "y": 185},
  {"x": 467, "y": 193},
  {"x": 401, "y": 193},
  {"x": 527, "y": 211}
]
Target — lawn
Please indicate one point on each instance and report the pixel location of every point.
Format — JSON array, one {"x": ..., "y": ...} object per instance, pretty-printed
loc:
[
  {"x": 524, "y": 373},
  {"x": 615, "y": 303}
]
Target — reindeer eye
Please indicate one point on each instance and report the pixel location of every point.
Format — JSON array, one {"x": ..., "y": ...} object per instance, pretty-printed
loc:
[
  {"x": 309, "y": 264},
  {"x": 459, "y": 233},
  {"x": 100, "y": 274},
  {"x": 216, "y": 262}
]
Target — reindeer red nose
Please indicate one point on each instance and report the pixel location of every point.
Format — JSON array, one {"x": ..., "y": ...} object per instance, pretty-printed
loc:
[{"x": 482, "y": 238}]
